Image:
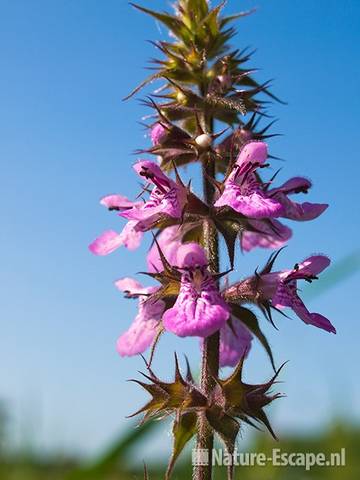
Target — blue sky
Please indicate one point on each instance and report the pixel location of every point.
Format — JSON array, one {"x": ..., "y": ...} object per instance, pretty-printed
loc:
[{"x": 66, "y": 139}]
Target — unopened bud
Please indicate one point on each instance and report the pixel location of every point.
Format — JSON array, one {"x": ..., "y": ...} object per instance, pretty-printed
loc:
[
  {"x": 245, "y": 135},
  {"x": 158, "y": 134},
  {"x": 210, "y": 74},
  {"x": 204, "y": 140},
  {"x": 181, "y": 97},
  {"x": 225, "y": 81}
]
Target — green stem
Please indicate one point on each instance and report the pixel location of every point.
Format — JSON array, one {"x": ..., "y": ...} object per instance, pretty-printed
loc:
[{"x": 210, "y": 353}]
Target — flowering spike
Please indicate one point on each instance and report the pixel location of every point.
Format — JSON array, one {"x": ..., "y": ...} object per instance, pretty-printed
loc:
[{"x": 204, "y": 82}]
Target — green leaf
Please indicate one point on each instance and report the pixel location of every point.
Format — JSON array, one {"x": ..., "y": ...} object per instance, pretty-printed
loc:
[
  {"x": 231, "y": 18},
  {"x": 211, "y": 21},
  {"x": 231, "y": 104},
  {"x": 341, "y": 270},
  {"x": 149, "y": 79},
  {"x": 173, "y": 23},
  {"x": 230, "y": 230},
  {"x": 200, "y": 7},
  {"x": 227, "y": 428},
  {"x": 184, "y": 429},
  {"x": 117, "y": 451},
  {"x": 250, "y": 320}
]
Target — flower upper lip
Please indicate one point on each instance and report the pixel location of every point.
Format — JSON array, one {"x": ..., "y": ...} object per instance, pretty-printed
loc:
[{"x": 160, "y": 183}]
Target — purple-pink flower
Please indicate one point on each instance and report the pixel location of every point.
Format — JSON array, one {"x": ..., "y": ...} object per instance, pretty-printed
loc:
[
  {"x": 235, "y": 342},
  {"x": 158, "y": 133},
  {"x": 281, "y": 289},
  {"x": 243, "y": 191},
  {"x": 199, "y": 309},
  {"x": 145, "y": 326},
  {"x": 292, "y": 210},
  {"x": 266, "y": 234},
  {"x": 168, "y": 241},
  {"x": 167, "y": 198},
  {"x": 110, "y": 240},
  {"x": 270, "y": 233}
]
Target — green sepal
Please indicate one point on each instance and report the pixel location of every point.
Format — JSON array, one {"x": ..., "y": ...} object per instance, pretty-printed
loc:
[
  {"x": 184, "y": 428},
  {"x": 173, "y": 23}
]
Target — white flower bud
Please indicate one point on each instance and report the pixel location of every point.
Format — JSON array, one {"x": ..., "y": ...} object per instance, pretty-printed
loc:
[
  {"x": 181, "y": 97},
  {"x": 204, "y": 140}
]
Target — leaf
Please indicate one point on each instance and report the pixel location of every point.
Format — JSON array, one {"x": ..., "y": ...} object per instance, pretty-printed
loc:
[
  {"x": 107, "y": 462},
  {"x": 230, "y": 230},
  {"x": 184, "y": 428},
  {"x": 227, "y": 428},
  {"x": 173, "y": 23},
  {"x": 250, "y": 320},
  {"x": 200, "y": 7},
  {"x": 230, "y": 18},
  {"x": 149, "y": 79},
  {"x": 211, "y": 20},
  {"x": 232, "y": 104}
]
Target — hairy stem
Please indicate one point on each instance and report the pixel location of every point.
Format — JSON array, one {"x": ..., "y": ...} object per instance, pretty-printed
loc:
[{"x": 210, "y": 354}]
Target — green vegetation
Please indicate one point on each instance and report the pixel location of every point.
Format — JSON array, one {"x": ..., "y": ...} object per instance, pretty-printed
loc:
[{"x": 115, "y": 465}]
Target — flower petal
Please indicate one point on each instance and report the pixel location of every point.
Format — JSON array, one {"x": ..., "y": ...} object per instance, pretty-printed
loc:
[
  {"x": 274, "y": 235},
  {"x": 137, "y": 338},
  {"x": 256, "y": 205},
  {"x": 152, "y": 168},
  {"x": 169, "y": 245},
  {"x": 109, "y": 241},
  {"x": 106, "y": 243},
  {"x": 293, "y": 185},
  {"x": 158, "y": 133},
  {"x": 253, "y": 152},
  {"x": 143, "y": 212},
  {"x": 300, "y": 212},
  {"x": 131, "y": 236},
  {"x": 314, "y": 265},
  {"x": 313, "y": 318},
  {"x": 129, "y": 285},
  {"x": 199, "y": 311},
  {"x": 198, "y": 318},
  {"x": 143, "y": 330},
  {"x": 235, "y": 342},
  {"x": 117, "y": 201},
  {"x": 191, "y": 255}
]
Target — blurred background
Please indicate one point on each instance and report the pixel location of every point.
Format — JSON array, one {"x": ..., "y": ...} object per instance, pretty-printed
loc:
[{"x": 66, "y": 139}]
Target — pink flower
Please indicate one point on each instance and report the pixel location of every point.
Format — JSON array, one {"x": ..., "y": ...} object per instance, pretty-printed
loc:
[
  {"x": 292, "y": 210},
  {"x": 145, "y": 326},
  {"x": 167, "y": 198},
  {"x": 199, "y": 309},
  {"x": 269, "y": 234},
  {"x": 235, "y": 342},
  {"x": 243, "y": 192},
  {"x": 281, "y": 289},
  {"x": 109, "y": 241},
  {"x": 158, "y": 133},
  {"x": 117, "y": 202},
  {"x": 273, "y": 234},
  {"x": 169, "y": 244}
]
